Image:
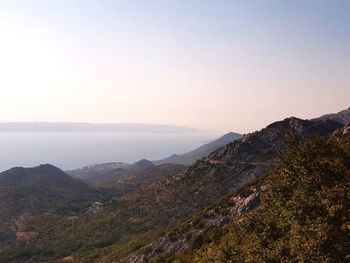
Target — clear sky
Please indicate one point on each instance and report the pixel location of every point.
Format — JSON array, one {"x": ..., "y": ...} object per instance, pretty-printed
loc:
[{"x": 218, "y": 65}]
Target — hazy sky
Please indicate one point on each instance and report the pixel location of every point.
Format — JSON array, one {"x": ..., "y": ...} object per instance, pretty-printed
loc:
[{"x": 219, "y": 65}]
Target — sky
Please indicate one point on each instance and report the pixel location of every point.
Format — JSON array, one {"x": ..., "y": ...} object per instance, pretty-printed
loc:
[{"x": 217, "y": 65}]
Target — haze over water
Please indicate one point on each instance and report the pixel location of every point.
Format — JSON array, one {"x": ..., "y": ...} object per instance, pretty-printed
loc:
[{"x": 69, "y": 150}]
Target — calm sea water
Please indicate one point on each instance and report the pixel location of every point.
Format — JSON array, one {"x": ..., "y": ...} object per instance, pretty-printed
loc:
[{"x": 74, "y": 149}]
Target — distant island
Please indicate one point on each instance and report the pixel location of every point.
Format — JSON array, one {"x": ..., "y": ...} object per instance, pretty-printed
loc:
[{"x": 92, "y": 127}]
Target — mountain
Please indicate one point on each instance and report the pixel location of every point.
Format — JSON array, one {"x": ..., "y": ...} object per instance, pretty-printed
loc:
[
  {"x": 211, "y": 224},
  {"x": 102, "y": 173},
  {"x": 201, "y": 152},
  {"x": 232, "y": 166},
  {"x": 165, "y": 202},
  {"x": 49, "y": 186},
  {"x": 136, "y": 219},
  {"x": 265, "y": 144},
  {"x": 32, "y": 199},
  {"x": 107, "y": 171},
  {"x": 91, "y": 127},
  {"x": 342, "y": 117},
  {"x": 143, "y": 164},
  {"x": 307, "y": 195},
  {"x": 303, "y": 215},
  {"x": 44, "y": 175}
]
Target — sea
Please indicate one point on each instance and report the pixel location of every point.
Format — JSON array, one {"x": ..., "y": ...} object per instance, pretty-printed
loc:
[{"x": 71, "y": 150}]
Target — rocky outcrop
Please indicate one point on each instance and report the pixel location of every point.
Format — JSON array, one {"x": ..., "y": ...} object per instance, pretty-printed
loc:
[
  {"x": 68, "y": 259},
  {"x": 180, "y": 240},
  {"x": 343, "y": 131}
]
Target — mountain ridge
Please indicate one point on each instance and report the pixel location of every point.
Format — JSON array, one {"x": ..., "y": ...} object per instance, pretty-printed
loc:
[
  {"x": 223, "y": 172},
  {"x": 191, "y": 157},
  {"x": 341, "y": 116},
  {"x": 49, "y": 185},
  {"x": 161, "y": 203},
  {"x": 21, "y": 176}
]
